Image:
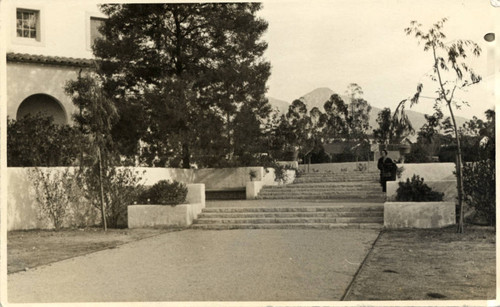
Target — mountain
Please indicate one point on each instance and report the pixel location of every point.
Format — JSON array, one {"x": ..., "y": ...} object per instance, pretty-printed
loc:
[
  {"x": 281, "y": 105},
  {"x": 319, "y": 96}
]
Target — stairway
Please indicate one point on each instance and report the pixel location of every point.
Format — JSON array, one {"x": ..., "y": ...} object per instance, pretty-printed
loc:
[
  {"x": 294, "y": 217},
  {"x": 354, "y": 185},
  {"x": 313, "y": 201}
]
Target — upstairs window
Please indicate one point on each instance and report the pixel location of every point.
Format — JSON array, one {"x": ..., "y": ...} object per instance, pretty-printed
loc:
[{"x": 28, "y": 24}]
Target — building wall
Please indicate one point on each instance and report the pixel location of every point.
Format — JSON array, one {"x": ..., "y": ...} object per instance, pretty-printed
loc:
[
  {"x": 25, "y": 79},
  {"x": 64, "y": 27},
  {"x": 64, "y": 32}
]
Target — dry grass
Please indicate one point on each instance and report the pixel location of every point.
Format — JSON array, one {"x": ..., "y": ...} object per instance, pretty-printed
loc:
[
  {"x": 429, "y": 264},
  {"x": 29, "y": 249}
]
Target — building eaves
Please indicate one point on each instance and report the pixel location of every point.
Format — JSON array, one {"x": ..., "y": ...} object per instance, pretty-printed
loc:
[{"x": 48, "y": 60}]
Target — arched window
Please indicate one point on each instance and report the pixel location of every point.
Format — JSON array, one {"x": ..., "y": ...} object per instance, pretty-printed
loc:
[{"x": 45, "y": 105}]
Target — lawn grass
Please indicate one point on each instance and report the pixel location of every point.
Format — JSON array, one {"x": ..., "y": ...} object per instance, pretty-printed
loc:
[
  {"x": 427, "y": 264},
  {"x": 32, "y": 248}
]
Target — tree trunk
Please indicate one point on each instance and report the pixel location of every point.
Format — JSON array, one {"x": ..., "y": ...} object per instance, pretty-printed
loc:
[
  {"x": 103, "y": 204},
  {"x": 460, "y": 228},
  {"x": 186, "y": 163}
]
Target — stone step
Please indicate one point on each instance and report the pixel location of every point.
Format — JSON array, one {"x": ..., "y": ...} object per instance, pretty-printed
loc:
[
  {"x": 326, "y": 173},
  {"x": 322, "y": 175},
  {"x": 204, "y": 215},
  {"x": 334, "y": 179},
  {"x": 349, "y": 208},
  {"x": 288, "y": 226},
  {"x": 354, "y": 193},
  {"x": 290, "y": 220},
  {"x": 343, "y": 196},
  {"x": 299, "y": 187},
  {"x": 329, "y": 184}
]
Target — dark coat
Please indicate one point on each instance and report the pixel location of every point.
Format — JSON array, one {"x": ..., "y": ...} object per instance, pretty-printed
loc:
[{"x": 387, "y": 169}]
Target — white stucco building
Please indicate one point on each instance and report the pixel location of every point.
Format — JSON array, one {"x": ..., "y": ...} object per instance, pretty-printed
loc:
[{"x": 47, "y": 44}]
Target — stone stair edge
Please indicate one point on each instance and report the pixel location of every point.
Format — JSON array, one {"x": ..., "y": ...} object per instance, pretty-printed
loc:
[{"x": 287, "y": 226}]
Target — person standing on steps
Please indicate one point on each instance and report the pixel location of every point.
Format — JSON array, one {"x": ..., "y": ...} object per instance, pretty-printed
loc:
[{"x": 387, "y": 169}]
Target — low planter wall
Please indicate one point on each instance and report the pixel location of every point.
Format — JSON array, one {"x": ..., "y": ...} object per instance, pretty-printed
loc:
[
  {"x": 142, "y": 216},
  {"x": 253, "y": 188},
  {"x": 419, "y": 214}
]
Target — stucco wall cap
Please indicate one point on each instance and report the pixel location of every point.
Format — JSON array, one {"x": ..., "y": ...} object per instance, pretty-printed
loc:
[{"x": 44, "y": 59}]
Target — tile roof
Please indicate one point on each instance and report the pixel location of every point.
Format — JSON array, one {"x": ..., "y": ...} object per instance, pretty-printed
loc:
[{"x": 50, "y": 60}]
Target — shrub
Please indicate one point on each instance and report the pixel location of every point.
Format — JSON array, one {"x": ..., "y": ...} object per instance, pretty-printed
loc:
[
  {"x": 38, "y": 141},
  {"x": 165, "y": 192},
  {"x": 479, "y": 188},
  {"x": 120, "y": 186},
  {"x": 54, "y": 193},
  {"x": 280, "y": 174},
  {"x": 252, "y": 174},
  {"x": 417, "y": 190}
]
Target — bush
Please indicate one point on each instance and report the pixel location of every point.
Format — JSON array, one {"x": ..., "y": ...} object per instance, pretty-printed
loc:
[
  {"x": 479, "y": 188},
  {"x": 417, "y": 190},
  {"x": 54, "y": 194},
  {"x": 418, "y": 154},
  {"x": 38, "y": 141},
  {"x": 120, "y": 187},
  {"x": 165, "y": 192}
]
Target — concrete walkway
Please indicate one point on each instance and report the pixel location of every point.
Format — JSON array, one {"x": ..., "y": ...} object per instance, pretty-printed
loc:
[{"x": 191, "y": 265}]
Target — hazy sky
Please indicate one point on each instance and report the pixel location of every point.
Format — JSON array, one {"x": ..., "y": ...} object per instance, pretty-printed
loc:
[{"x": 334, "y": 43}]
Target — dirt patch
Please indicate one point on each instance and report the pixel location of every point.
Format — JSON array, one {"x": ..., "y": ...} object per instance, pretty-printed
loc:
[
  {"x": 29, "y": 249},
  {"x": 429, "y": 265}
]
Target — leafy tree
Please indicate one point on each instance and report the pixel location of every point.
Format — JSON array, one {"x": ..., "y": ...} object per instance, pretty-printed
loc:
[
  {"x": 298, "y": 124},
  {"x": 189, "y": 68},
  {"x": 37, "y": 141},
  {"x": 451, "y": 73},
  {"x": 479, "y": 188},
  {"x": 479, "y": 134},
  {"x": 337, "y": 115},
  {"x": 382, "y": 133},
  {"x": 96, "y": 116},
  {"x": 434, "y": 133},
  {"x": 248, "y": 137},
  {"x": 359, "y": 113},
  {"x": 392, "y": 128},
  {"x": 317, "y": 137},
  {"x": 479, "y": 175},
  {"x": 418, "y": 154}
]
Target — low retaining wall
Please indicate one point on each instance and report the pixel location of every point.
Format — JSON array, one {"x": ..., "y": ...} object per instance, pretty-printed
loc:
[
  {"x": 22, "y": 212},
  {"x": 419, "y": 214},
  {"x": 23, "y": 209},
  {"x": 141, "y": 216}
]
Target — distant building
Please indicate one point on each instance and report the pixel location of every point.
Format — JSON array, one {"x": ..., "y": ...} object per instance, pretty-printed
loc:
[{"x": 48, "y": 43}]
